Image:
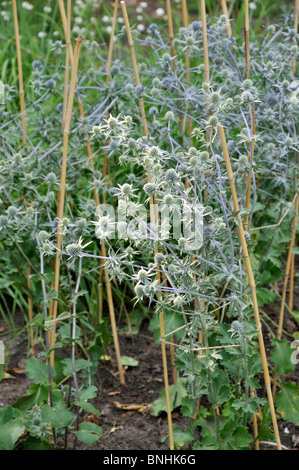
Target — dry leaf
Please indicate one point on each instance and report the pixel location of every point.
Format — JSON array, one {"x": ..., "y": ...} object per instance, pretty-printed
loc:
[
  {"x": 111, "y": 394},
  {"x": 105, "y": 357},
  {"x": 2, "y": 329},
  {"x": 7, "y": 376},
  {"x": 142, "y": 408}
]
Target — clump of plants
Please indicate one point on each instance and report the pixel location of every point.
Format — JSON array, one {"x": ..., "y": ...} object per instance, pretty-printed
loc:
[{"x": 174, "y": 174}]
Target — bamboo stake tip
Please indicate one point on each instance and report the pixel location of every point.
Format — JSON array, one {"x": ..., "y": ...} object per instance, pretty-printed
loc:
[{"x": 79, "y": 39}]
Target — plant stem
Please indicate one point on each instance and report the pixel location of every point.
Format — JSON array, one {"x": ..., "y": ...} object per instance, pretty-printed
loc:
[{"x": 251, "y": 283}]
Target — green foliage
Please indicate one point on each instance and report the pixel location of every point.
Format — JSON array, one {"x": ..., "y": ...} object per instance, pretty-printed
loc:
[{"x": 287, "y": 402}]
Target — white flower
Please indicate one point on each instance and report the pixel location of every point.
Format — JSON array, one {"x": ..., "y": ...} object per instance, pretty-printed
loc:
[
  {"x": 139, "y": 17},
  {"x": 109, "y": 29},
  {"x": 160, "y": 12},
  {"x": 106, "y": 19},
  {"x": 47, "y": 9},
  {"x": 42, "y": 34},
  {"x": 139, "y": 9},
  {"x": 28, "y": 6},
  {"x": 120, "y": 20},
  {"x": 78, "y": 20},
  {"x": 252, "y": 6},
  {"x": 144, "y": 5},
  {"x": 140, "y": 27}
]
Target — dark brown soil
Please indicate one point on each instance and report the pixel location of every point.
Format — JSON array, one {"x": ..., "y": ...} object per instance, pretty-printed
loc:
[{"x": 135, "y": 429}]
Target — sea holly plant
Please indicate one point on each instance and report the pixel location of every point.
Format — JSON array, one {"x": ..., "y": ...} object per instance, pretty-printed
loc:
[{"x": 169, "y": 223}]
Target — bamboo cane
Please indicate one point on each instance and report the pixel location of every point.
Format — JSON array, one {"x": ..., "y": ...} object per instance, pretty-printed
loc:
[
  {"x": 170, "y": 32},
  {"x": 285, "y": 283},
  {"x": 296, "y": 29},
  {"x": 292, "y": 274},
  {"x": 205, "y": 41},
  {"x": 153, "y": 220},
  {"x": 20, "y": 71},
  {"x": 246, "y": 38},
  {"x": 287, "y": 270},
  {"x": 225, "y": 12},
  {"x": 105, "y": 169},
  {"x": 251, "y": 283},
  {"x": 65, "y": 21},
  {"x": 30, "y": 313},
  {"x": 248, "y": 178},
  {"x": 60, "y": 210},
  {"x": 24, "y": 140}
]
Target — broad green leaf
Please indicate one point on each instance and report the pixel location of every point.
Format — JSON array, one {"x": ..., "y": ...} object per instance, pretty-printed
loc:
[
  {"x": 295, "y": 315},
  {"x": 180, "y": 438},
  {"x": 287, "y": 402},
  {"x": 239, "y": 439},
  {"x": 129, "y": 361},
  {"x": 89, "y": 408},
  {"x": 176, "y": 392},
  {"x": 89, "y": 393},
  {"x": 10, "y": 433},
  {"x": 89, "y": 433},
  {"x": 33, "y": 443},
  {"x": 172, "y": 321},
  {"x": 281, "y": 356},
  {"x": 221, "y": 389},
  {"x": 37, "y": 370},
  {"x": 265, "y": 296},
  {"x": 35, "y": 395},
  {"x": 79, "y": 365},
  {"x": 58, "y": 415},
  {"x": 8, "y": 413}
]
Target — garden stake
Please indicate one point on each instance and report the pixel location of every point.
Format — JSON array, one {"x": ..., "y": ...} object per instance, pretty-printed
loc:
[
  {"x": 153, "y": 220},
  {"x": 246, "y": 38},
  {"x": 170, "y": 32},
  {"x": 97, "y": 201},
  {"x": 205, "y": 41},
  {"x": 20, "y": 71},
  {"x": 248, "y": 178},
  {"x": 30, "y": 313},
  {"x": 285, "y": 282},
  {"x": 24, "y": 140},
  {"x": 296, "y": 29},
  {"x": 251, "y": 283},
  {"x": 104, "y": 172},
  {"x": 225, "y": 12},
  {"x": 60, "y": 209}
]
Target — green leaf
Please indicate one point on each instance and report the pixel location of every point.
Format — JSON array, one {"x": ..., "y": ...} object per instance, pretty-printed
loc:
[
  {"x": 89, "y": 433},
  {"x": 172, "y": 321},
  {"x": 180, "y": 438},
  {"x": 287, "y": 402},
  {"x": 129, "y": 361},
  {"x": 89, "y": 393},
  {"x": 281, "y": 356},
  {"x": 176, "y": 392},
  {"x": 221, "y": 388},
  {"x": 58, "y": 415},
  {"x": 239, "y": 439},
  {"x": 35, "y": 395},
  {"x": 79, "y": 365},
  {"x": 295, "y": 315},
  {"x": 295, "y": 250},
  {"x": 10, "y": 433},
  {"x": 265, "y": 296},
  {"x": 33, "y": 443},
  {"x": 89, "y": 408},
  {"x": 37, "y": 370},
  {"x": 8, "y": 413}
]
